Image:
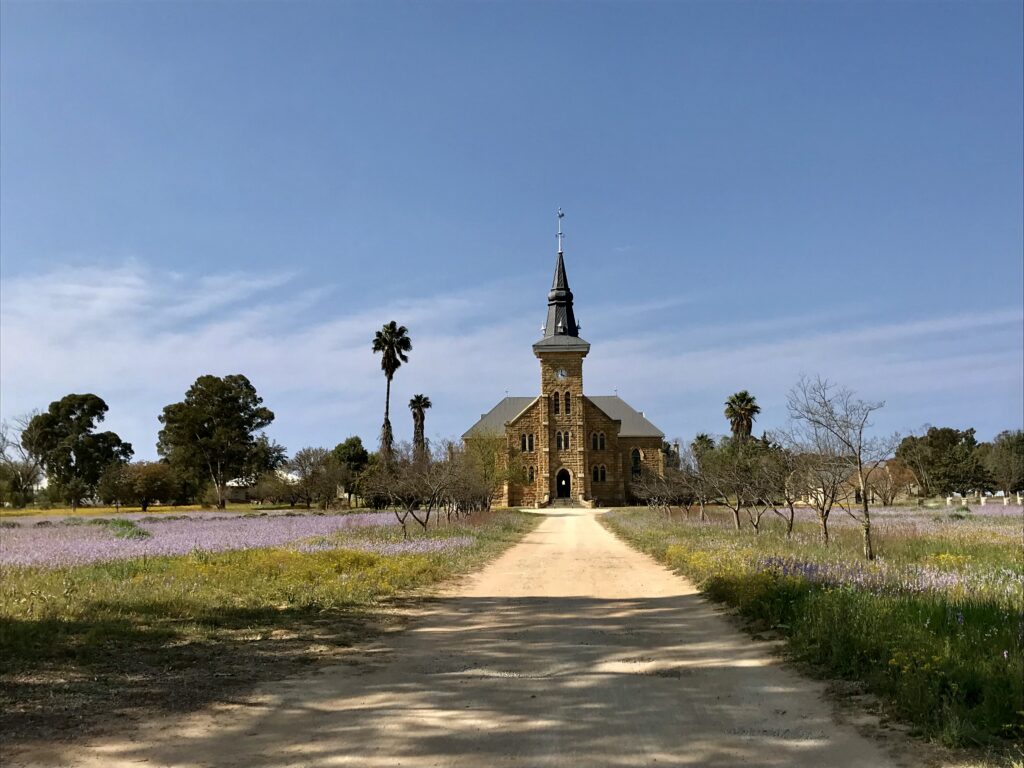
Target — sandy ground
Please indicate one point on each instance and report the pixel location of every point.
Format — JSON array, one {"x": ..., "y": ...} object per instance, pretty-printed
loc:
[{"x": 570, "y": 650}]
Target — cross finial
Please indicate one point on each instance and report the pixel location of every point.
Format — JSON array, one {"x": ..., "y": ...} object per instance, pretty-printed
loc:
[{"x": 560, "y": 235}]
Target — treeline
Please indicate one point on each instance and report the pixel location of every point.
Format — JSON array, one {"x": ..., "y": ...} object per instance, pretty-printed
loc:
[
  {"x": 827, "y": 458},
  {"x": 212, "y": 444},
  {"x": 210, "y": 440},
  {"x": 213, "y": 436}
]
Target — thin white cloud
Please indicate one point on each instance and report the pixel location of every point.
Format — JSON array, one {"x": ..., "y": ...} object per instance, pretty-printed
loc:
[{"x": 139, "y": 337}]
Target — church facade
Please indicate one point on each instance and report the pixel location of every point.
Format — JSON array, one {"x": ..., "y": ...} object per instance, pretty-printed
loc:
[{"x": 569, "y": 447}]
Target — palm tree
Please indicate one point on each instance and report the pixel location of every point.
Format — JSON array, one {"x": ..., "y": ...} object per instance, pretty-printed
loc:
[
  {"x": 418, "y": 405},
  {"x": 702, "y": 443},
  {"x": 392, "y": 341},
  {"x": 740, "y": 410}
]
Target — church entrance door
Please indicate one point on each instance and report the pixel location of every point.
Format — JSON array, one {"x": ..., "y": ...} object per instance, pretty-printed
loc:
[{"x": 563, "y": 484}]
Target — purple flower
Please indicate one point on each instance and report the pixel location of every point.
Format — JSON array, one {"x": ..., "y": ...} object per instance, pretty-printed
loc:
[{"x": 79, "y": 544}]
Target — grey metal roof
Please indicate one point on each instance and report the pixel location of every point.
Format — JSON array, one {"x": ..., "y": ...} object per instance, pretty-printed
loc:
[
  {"x": 634, "y": 423},
  {"x": 493, "y": 422},
  {"x": 562, "y": 344}
]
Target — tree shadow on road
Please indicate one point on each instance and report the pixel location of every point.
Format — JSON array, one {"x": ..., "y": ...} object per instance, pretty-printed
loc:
[{"x": 536, "y": 681}]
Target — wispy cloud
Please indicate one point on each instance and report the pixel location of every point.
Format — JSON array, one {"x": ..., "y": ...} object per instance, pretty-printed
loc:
[{"x": 138, "y": 337}]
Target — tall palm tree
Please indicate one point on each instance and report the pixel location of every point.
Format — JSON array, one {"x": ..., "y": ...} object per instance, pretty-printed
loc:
[
  {"x": 392, "y": 341},
  {"x": 740, "y": 410},
  {"x": 418, "y": 404}
]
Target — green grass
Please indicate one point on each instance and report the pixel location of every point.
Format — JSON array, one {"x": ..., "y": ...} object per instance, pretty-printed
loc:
[
  {"x": 80, "y": 643},
  {"x": 947, "y": 660}
]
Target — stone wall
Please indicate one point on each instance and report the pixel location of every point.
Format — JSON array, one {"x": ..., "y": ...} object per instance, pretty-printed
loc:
[
  {"x": 651, "y": 456},
  {"x": 613, "y": 490},
  {"x": 529, "y": 422}
]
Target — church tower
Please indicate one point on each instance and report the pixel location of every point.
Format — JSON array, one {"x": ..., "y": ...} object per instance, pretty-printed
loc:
[
  {"x": 561, "y": 352},
  {"x": 568, "y": 448}
]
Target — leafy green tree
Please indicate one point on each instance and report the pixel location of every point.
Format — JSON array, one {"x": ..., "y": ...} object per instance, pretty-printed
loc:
[
  {"x": 352, "y": 454},
  {"x": 353, "y": 458},
  {"x": 392, "y": 342},
  {"x": 741, "y": 410},
  {"x": 214, "y": 432},
  {"x": 71, "y": 453},
  {"x": 266, "y": 456},
  {"x": 151, "y": 482},
  {"x": 419, "y": 404},
  {"x": 945, "y": 460},
  {"x": 1005, "y": 461},
  {"x": 114, "y": 486}
]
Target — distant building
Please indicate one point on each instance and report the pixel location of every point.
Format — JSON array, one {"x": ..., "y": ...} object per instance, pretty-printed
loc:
[{"x": 575, "y": 447}]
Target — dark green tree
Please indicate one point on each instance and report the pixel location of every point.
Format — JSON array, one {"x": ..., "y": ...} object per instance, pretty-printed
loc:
[
  {"x": 71, "y": 453},
  {"x": 741, "y": 409},
  {"x": 945, "y": 460},
  {"x": 393, "y": 343},
  {"x": 352, "y": 454},
  {"x": 419, "y": 404},
  {"x": 1004, "y": 461},
  {"x": 151, "y": 482},
  {"x": 114, "y": 486},
  {"x": 213, "y": 433},
  {"x": 353, "y": 459}
]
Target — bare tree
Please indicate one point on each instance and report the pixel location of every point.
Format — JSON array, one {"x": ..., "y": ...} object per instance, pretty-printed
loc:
[
  {"x": 728, "y": 471},
  {"x": 317, "y": 476},
  {"x": 834, "y": 413},
  {"x": 694, "y": 473},
  {"x": 660, "y": 491},
  {"x": 21, "y": 466},
  {"x": 890, "y": 479},
  {"x": 820, "y": 471}
]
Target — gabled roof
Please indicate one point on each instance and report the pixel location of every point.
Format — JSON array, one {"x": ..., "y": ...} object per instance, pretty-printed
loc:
[
  {"x": 493, "y": 422},
  {"x": 634, "y": 423}
]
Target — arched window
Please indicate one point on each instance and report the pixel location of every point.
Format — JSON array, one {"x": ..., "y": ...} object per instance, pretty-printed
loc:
[
  {"x": 522, "y": 443},
  {"x": 529, "y": 442},
  {"x": 604, "y": 473},
  {"x": 556, "y": 401},
  {"x": 600, "y": 441},
  {"x": 568, "y": 403},
  {"x": 597, "y": 473},
  {"x": 635, "y": 458},
  {"x": 558, "y": 440},
  {"x": 566, "y": 441},
  {"x": 593, "y": 441},
  {"x": 529, "y": 474}
]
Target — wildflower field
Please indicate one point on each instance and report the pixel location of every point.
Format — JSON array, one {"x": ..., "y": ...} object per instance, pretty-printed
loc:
[
  {"x": 934, "y": 626},
  {"x": 127, "y": 617}
]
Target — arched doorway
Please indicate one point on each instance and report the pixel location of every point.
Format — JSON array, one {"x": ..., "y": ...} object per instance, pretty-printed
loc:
[{"x": 563, "y": 484}]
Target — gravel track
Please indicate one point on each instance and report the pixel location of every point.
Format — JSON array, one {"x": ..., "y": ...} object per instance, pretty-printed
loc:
[{"x": 571, "y": 649}]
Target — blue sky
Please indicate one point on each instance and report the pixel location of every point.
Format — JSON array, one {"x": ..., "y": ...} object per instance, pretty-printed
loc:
[{"x": 753, "y": 191}]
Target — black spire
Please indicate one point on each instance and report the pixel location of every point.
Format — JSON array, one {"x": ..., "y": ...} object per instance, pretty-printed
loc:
[
  {"x": 561, "y": 319},
  {"x": 561, "y": 331}
]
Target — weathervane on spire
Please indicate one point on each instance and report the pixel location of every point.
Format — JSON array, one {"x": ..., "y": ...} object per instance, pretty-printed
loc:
[{"x": 560, "y": 235}]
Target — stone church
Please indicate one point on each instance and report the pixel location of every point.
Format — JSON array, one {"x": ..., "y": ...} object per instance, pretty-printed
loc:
[{"x": 575, "y": 448}]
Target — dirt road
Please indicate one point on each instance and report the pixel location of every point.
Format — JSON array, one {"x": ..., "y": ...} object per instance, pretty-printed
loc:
[{"x": 570, "y": 650}]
